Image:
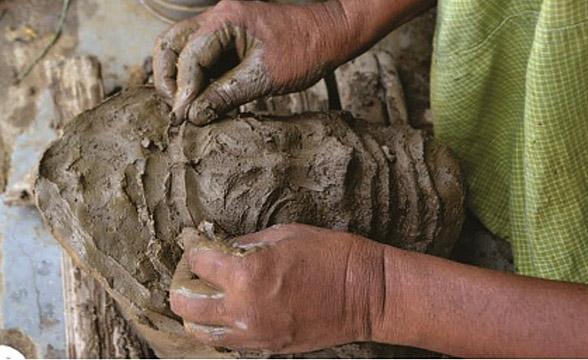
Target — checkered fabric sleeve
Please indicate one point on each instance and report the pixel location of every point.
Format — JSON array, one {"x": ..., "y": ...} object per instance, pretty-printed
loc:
[{"x": 509, "y": 95}]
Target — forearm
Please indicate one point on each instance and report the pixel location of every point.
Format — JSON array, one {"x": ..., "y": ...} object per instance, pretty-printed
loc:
[
  {"x": 352, "y": 26},
  {"x": 371, "y": 20},
  {"x": 471, "y": 312}
]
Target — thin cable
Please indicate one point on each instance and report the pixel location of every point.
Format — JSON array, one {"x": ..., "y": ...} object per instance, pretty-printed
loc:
[{"x": 56, "y": 36}]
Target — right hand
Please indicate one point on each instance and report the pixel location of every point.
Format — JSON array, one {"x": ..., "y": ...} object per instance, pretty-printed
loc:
[
  {"x": 281, "y": 49},
  {"x": 289, "y": 288}
]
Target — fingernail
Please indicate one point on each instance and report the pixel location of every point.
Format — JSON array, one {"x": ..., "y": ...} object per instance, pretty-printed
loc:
[
  {"x": 241, "y": 325},
  {"x": 202, "y": 293},
  {"x": 201, "y": 113},
  {"x": 214, "y": 331}
]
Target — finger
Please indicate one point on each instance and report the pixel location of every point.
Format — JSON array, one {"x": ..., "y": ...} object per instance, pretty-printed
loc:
[
  {"x": 192, "y": 305},
  {"x": 262, "y": 238},
  {"x": 201, "y": 52},
  {"x": 165, "y": 56},
  {"x": 219, "y": 336},
  {"x": 228, "y": 337},
  {"x": 215, "y": 262},
  {"x": 246, "y": 82},
  {"x": 183, "y": 282},
  {"x": 193, "y": 299},
  {"x": 209, "y": 335}
]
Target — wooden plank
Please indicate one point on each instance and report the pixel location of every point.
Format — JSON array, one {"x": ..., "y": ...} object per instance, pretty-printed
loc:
[{"x": 370, "y": 89}]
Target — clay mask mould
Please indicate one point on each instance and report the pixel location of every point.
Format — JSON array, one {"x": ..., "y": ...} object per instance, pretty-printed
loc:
[{"x": 119, "y": 186}]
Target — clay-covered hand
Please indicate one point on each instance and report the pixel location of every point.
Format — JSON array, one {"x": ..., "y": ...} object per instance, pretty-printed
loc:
[
  {"x": 276, "y": 48},
  {"x": 289, "y": 288}
]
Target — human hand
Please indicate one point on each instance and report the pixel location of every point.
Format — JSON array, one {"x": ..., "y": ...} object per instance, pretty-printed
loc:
[
  {"x": 289, "y": 288},
  {"x": 280, "y": 49}
]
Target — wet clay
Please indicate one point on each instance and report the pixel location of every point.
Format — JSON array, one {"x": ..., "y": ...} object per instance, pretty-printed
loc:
[{"x": 120, "y": 185}]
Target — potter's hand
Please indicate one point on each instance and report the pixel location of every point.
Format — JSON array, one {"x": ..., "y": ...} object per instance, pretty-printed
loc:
[
  {"x": 280, "y": 49},
  {"x": 299, "y": 288}
]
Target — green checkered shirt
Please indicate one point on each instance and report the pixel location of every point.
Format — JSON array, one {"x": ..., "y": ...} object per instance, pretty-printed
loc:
[{"x": 510, "y": 97}]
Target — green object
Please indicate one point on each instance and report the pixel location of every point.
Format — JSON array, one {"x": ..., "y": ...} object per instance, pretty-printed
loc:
[{"x": 510, "y": 97}]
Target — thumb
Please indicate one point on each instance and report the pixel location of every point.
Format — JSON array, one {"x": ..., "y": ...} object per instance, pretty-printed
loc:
[{"x": 246, "y": 82}]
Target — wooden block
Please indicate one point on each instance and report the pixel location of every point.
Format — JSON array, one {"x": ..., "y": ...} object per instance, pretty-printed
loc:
[{"x": 370, "y": 89}]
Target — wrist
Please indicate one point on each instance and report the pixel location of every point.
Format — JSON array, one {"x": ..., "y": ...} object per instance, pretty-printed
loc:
[
  {"x": 330, "y": 33},
  {"x": 377, "y": 301},
  {"x": 394, "y": 320},
  {"x": 359, "y": 24}
]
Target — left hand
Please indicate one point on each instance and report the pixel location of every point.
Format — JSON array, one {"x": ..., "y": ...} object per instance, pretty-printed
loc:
[
  {"x": 296, "y": 288},
  {"x": 277, "y": 49}
]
